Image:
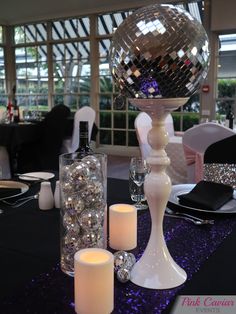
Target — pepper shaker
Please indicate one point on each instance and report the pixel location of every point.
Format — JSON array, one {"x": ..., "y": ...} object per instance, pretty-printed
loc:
[{"x": 46, "y": 199}]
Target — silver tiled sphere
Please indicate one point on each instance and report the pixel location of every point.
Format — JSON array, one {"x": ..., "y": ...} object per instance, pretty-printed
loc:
[{"x": 160, "y": 51}]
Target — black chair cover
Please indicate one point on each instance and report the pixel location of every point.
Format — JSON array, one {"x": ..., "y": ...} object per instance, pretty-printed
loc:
[
  {"x": 44, "y": 154},
  {"x": 223, "y": 151}
]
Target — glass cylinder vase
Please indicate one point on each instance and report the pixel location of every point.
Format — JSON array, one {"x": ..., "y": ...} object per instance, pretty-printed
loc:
[{"x": 83, "y": 188}]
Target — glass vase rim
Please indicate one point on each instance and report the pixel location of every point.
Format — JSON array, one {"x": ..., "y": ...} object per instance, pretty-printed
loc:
[{"x": 72, "y": 156}]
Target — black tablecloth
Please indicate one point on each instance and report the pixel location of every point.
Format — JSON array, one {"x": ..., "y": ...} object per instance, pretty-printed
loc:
[
  {"x": 13, "y": 135},
  {"x": 29, "y": 246}
]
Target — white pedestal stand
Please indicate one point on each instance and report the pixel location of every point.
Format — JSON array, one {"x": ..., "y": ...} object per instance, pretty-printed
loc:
[{"x": 156, "y": 269}]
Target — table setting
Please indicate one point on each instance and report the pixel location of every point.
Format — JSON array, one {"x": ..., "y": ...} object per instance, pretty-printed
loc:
[
  {"x": 100, "y": 253},
  {"x": 189, "y": 252}
]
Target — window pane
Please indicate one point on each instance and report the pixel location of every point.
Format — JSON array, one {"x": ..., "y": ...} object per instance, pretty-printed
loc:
[
  {"x": 226, "y": 87},
  {"x": 105, "y": 84},
  {"x": 2, "y": 64},
  {"x": 131, "y": 117},
  {"x": 192, "y": 105},
  {"x": 105, "y": 102},
  {"x": 30, "y": 33},
  {"x": 189, "y": 120},
  {"x": 35, "y": 32},
  {"x": 59, "y": 86},
  {"x": 84, "y": 100},
  {"x": 21, "y": 86},
  {"x": 119, "y": 102},
  {"x": 119, "y": 120},
  {"x": 2, "y": 86},
  {"x": 1, "y": 34},
  {"x": 3, "y": 100},
  {"x": 84, "y": 85},
  {"x": 104, "y": 45},
  {"x": 19, "y": 35},
  {"x": 108, "y": 22},
  {"x": 119, "y": 138},
  {"x": 105, "y": 137},
  {"x": 226, "y": 76},
  {"x": 105, "y": 119},
  {"x": 71, "y": 28},
  {"x": 32, "y": 72},
  {"x": 222, "y": 106},
  {"x": 132, "y": 139}
]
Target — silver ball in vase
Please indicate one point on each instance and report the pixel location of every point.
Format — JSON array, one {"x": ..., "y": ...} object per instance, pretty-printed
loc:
[{"x": 160, "y": 51}]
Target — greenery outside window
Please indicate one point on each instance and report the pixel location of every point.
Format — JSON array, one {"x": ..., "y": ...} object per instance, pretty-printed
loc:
[{"x": 226, "y": 75}]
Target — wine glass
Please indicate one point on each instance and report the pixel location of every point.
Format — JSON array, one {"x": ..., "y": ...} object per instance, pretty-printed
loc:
[{"x": 137, "y": 172}]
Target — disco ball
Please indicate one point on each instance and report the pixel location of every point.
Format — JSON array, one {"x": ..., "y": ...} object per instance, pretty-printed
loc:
[{"x": 160, "y": 51}]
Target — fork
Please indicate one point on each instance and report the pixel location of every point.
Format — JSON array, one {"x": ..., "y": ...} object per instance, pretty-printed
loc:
[
  {"x": 195, "y": 221},
  {"x": 172, "y": 212},
  {"x": 20, "y": 201}
]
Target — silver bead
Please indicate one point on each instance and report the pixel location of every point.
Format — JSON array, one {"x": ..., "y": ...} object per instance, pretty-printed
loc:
[
  {"x": 120, "y": 259},
  {"x": 123, "y": 275},
  {"x": 130, "y": 261},
  {"x": 123, "y": 259}
]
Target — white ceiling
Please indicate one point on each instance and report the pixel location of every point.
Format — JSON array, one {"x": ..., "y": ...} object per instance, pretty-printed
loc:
[{"x": 23, "y": 11}]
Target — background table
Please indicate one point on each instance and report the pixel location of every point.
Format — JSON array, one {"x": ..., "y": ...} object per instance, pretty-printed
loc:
[{"x": 31, "y": 280}]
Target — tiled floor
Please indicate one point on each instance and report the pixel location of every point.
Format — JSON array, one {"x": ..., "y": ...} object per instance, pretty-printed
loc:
[{"x": 118, "y": 167}]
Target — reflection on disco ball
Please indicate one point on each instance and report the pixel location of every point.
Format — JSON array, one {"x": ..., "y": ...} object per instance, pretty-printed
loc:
[{"x": 160, "y": 51}]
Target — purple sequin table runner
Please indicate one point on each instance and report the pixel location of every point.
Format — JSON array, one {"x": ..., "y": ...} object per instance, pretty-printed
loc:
[{"x": 188, "y": 244}]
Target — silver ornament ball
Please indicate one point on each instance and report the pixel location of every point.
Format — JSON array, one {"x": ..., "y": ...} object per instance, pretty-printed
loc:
[
  {"x": 120, "y": 259},
  {"x": 123, "y": 275}
]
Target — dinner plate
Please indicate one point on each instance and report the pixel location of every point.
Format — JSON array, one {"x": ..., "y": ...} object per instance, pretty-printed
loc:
[
  {"x": 35, "y": 176},
  {"x": 13, "y": 185},
  {"x": 179, "y": 189}
]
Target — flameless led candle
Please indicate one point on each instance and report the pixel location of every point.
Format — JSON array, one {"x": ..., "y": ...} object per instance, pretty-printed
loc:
[
  {"x": 94, "y": 281},
  {"x": 122, "y": 226}
]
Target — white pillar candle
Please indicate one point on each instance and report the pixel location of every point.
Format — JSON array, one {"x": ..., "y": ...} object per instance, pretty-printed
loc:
[
  {"x": 122, "y": 227},
  {"x": 94, "y": 281}
]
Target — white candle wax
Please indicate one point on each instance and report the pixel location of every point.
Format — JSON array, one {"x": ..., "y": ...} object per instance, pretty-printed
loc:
[
  {"x": 94, "y": 281},
  {"x": 122, "y": 227}
]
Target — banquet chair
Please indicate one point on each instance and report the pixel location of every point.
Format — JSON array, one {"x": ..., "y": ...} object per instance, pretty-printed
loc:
[
  {"x": 220, "y": 162},
  {"x": 195, "y": 142},
  {"x": 177, "y": 168},
  {"x": 85, "y": 113},
  {"x": 44, "y": 153}
]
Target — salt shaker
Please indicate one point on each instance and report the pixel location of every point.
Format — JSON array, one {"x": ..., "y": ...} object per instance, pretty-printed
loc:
[
  {"x": 57, "y": 195},
  {"x": 46, "y": 199}
]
